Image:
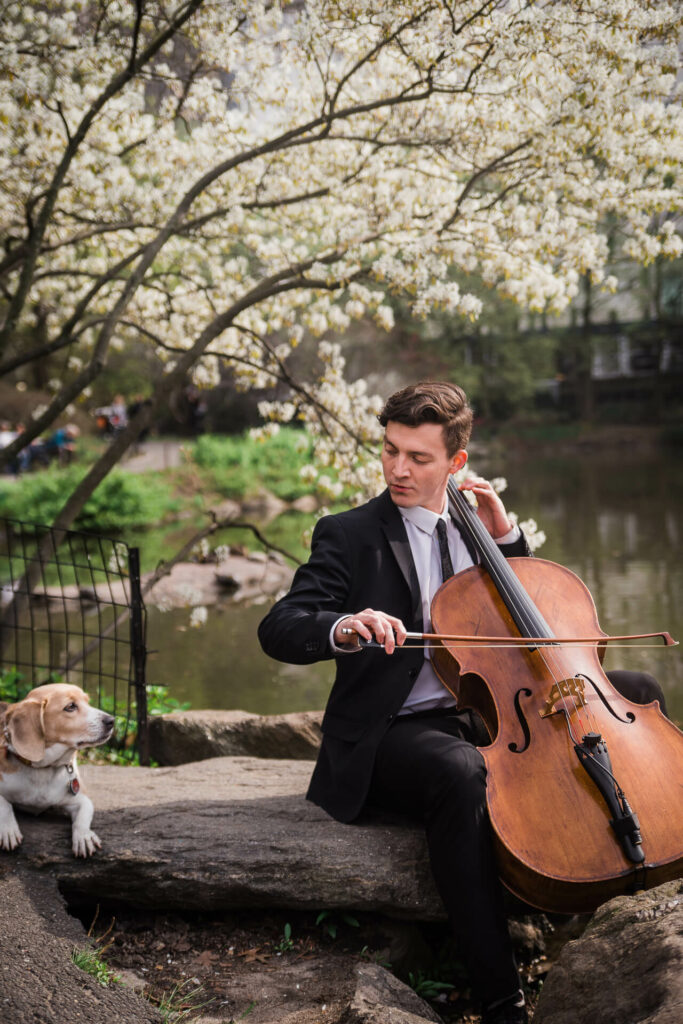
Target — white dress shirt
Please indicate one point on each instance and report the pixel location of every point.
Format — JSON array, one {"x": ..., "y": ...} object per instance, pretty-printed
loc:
[{"x": 428, "y": 691}]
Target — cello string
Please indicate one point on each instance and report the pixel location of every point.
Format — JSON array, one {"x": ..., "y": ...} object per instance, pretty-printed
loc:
[{"x": 515, "y": 597}]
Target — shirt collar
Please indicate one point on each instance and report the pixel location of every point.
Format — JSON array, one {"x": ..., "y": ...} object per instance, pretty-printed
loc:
[{"x": 424, "y": 518}]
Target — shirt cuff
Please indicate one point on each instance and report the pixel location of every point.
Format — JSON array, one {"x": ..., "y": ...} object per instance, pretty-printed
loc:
[
  {"x": 335, "y": 648},
  {"x": 513, "y": 534}
]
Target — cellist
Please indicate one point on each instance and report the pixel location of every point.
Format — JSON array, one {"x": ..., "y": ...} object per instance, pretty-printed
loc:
[{"x": 393, "y": 737}]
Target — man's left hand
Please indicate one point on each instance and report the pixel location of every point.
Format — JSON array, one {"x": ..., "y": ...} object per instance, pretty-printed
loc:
[{"x": 490, "y": 508}]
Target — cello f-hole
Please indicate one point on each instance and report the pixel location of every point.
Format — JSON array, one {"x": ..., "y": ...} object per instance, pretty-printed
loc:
[
  {"x": 630, "y": 717},
  {"x": 513, "y": 747}
]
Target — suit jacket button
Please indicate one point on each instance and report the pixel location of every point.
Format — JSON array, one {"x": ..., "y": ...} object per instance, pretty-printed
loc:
[{"x": 390, "y": 718}]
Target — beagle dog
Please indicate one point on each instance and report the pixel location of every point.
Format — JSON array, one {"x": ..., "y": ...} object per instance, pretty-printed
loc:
[{"x": 39, "y": 738}]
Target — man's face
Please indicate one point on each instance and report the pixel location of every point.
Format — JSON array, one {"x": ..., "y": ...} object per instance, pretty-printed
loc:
[{"x": 416, "y": 464}]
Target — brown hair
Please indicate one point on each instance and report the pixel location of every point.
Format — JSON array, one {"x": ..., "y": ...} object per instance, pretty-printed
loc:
[{"x": 435, "y": 401}]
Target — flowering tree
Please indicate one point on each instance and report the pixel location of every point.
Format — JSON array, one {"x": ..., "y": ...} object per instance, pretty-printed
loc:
[{"x": 219, "y": 176}]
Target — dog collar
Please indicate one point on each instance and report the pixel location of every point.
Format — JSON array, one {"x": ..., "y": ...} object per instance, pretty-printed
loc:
[
  {"x": 13, "y": 753},
  {"x": 74, "y": 784},
  {"x": 9, "y": 748}
]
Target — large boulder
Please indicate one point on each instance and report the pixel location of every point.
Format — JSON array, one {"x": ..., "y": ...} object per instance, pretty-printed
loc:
[
  {"x": 239, "y": 577},
  {"x": 232, "y": 832},
  {"x": 39, "y": 981},
  {"x": 626, "y": 967},
  {"x": 196, "y": 735}
]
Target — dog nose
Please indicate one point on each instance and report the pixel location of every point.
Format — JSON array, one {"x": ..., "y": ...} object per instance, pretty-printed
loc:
[{"x": 108, "y": 721}]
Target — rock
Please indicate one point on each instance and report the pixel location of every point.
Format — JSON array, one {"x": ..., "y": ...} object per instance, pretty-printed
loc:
[
  {"x": 527, "y": 934},
  {"x": 231, "y": 832},
  {"x": 196, "y": 735},
  {"x": 226, "y": 509},
  {"x": 264, "y": 505},
  {"x": 39, "y": 982},
  {"x": 307, "y": 503},
  {"x": 380, "y": 998},
  {"x": 626, "y": 967},
  {"x": 315, "y": 989},
  {"x": 227, "y": 582},
  {"x": 192, "y": 583}
]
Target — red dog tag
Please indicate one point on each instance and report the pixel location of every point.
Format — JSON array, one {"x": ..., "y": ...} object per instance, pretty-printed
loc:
[{"x": 74, "y": 786}]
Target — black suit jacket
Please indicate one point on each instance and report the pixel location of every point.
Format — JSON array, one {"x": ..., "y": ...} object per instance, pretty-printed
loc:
[{"x": 359, "y": 559}]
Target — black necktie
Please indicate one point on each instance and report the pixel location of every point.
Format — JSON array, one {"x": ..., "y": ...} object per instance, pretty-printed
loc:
[{"x": 446, "y": 564}]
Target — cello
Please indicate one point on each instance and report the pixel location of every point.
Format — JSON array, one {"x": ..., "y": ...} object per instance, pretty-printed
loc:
[{"x": 585, "y": 788}]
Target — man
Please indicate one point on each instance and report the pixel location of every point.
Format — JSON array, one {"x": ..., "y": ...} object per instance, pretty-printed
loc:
[{"x": 392, "y": 735}]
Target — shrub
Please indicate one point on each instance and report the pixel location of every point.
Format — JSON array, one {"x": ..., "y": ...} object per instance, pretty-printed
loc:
[
  {"x": 121, "y": 500},
  {"x": 241, "y": 466}
]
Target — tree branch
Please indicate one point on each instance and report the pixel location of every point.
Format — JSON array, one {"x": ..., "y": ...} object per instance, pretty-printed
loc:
[{"x": 38, "y": 232}]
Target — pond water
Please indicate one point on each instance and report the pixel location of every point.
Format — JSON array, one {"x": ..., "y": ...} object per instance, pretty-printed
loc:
[{"x": 613, "y": 517}]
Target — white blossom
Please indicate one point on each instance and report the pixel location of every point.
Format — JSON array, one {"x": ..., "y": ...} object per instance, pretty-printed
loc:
[
  {"x": 281, "y": 170},
  {"x": 199, "y": 617}
]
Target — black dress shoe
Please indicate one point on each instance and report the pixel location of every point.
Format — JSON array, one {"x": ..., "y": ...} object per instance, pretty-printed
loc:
[{"x": 505, "y": 1013}]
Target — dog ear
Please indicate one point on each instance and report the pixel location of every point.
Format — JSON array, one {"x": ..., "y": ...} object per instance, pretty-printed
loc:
[{"x": 24, "y": 722}]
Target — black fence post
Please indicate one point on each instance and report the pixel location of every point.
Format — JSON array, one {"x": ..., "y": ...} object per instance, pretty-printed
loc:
[
  {"x": 139, "y": 651},
  {"x": 71, "y": 606}
]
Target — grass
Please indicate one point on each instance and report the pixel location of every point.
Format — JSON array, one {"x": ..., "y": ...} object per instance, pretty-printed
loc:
[
  {"x": 180, "y": 1003},
  {"x": 90, "y": 961}
]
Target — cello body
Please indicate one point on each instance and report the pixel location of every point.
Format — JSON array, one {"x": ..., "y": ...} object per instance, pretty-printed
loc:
[{"x": 555, "y": 843}]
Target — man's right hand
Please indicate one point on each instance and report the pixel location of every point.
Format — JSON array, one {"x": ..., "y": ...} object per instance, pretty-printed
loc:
[{"x": 369, "y": 624}]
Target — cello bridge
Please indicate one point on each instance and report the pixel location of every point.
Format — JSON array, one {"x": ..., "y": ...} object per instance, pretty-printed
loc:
[{"x": 566, "y": 688}]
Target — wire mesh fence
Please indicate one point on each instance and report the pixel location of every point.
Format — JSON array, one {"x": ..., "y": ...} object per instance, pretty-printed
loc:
[{"x": 71, "y": 610}]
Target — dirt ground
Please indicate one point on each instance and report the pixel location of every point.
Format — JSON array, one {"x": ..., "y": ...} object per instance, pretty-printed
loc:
[{"x": 271, "y": 967}]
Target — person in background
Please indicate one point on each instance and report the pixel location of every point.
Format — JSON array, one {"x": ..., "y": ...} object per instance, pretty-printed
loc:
[
  {"x": 62, "y": 444},
  {"x": 7, "y": 435},
  {"x": 30, "y": 455},
  {"x": 118, "y": 414},
  {"x": 196, "y": 409}
]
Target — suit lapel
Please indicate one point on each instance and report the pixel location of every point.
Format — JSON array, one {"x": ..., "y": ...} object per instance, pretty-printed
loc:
[{"x": 397, "y": 538}]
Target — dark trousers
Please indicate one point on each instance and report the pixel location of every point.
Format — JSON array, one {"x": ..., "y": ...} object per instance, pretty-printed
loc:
[{"x": 428, "y": 767}]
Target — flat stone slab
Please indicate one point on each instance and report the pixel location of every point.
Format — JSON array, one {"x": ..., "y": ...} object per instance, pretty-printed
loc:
[
  {"x": 184, "y": 736},
  {"x": 231, "y": 832}
]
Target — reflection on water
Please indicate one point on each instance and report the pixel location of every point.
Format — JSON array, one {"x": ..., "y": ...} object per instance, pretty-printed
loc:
[
  {"x": 612, "y": 518},
  {"x": 223, "y": 666}
]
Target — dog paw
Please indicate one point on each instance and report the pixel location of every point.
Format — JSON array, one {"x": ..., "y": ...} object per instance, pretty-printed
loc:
[
  {"x": 10, "y": 837},
  {"x": 84, "y": 844}
]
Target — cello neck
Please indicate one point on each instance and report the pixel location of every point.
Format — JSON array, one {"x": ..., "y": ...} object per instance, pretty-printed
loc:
[{"x": 524, "y": 612}]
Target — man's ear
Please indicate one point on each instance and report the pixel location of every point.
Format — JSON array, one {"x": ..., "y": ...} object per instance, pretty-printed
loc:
[
  {"x": 458, "y": 461},
  {"x": 24, "y": 723}
]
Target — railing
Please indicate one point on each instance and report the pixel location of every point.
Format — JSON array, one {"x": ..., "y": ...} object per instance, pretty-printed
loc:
[{"x": 71, "y": 610}]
